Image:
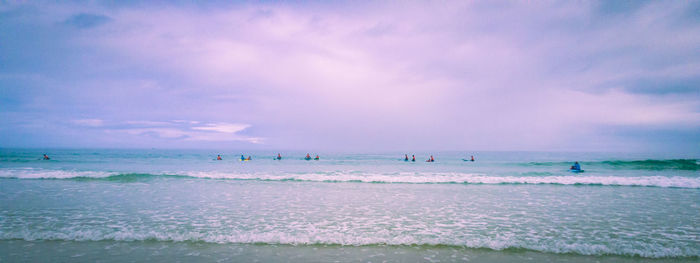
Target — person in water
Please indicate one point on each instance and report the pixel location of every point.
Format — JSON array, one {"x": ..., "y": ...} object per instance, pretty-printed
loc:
[
  {"x": 249, "y": 158},
  {"x": 46, "y": 157},
  {"x": 242, "y": 158},
  {"x": 279, "y": 156},
  {"x": 576, "y": 166},
  {"x": 308, "y": 157},
  {"x": 431, "y": 159},
  {"x": 218, "y": 157},
  {"x": 413, "y": 159},
  {"x": 406, "y": 158},
  {"x": 472, "y": 158},
  {"x": 317, "y": 158}
]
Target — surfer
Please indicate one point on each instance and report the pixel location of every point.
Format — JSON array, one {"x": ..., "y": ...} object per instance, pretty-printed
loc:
[
  {"x": 308, "y": 157},
  {"x": 405, "y": 159},
  {"x": 218, "y": 157},
  {"x": 413, "y": 159},
  {"x": 46, "y": 157},
  {"x": 249, "y": 158},
  {"x": 242, "y": 158},
  {"x": 576, "y": 166}
]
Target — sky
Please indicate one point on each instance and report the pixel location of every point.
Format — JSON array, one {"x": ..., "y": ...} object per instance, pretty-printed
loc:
[{"x": 352, "y": 76}]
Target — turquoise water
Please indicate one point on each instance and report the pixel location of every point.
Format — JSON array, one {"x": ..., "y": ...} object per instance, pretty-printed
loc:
[{"x": 506, "y": 206}]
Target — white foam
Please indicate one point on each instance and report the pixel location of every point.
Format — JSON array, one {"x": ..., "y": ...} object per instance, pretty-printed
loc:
[
  {"x": 414, "y": 178},
  {"x": 648, "y": 250},
  {"x": 34, "y": 173},
  {"x": 464, "y": 178}
]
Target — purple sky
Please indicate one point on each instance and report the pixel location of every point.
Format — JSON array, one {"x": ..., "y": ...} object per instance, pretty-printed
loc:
[{"x": 353, "y": 76}]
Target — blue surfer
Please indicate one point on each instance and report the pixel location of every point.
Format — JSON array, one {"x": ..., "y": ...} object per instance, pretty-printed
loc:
[{"x": 576, "y": 168}]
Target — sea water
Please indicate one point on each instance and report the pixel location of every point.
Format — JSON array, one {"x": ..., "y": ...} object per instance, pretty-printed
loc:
[{"x": 184, "y": 205}]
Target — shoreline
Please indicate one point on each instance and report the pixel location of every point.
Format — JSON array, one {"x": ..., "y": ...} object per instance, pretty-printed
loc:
[{"x": 168, "y": 251}]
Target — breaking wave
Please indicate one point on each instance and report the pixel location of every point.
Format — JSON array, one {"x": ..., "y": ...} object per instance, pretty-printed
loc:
[
  {"x": 311, "y": 239},
  {"x": 353, "y": 177}
]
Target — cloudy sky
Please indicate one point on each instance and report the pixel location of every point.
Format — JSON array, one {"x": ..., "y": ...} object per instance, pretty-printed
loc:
[{"x": 353, "y": 76}]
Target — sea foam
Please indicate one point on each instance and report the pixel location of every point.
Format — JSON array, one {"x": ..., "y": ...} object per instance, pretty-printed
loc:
[
  {"x": 360, "y": 177},
  {"x": 326, "y": 238}
]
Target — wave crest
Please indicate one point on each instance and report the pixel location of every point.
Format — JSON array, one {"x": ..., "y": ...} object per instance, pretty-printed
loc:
[
  {"x": 352, "y": 177},
  {"x": 281, "y": 238},
  {"x": 650, "y": 164}
]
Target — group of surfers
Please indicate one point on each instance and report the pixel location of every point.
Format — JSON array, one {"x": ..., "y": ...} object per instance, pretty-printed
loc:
[
  {"x": 574, "y": 168},
  {"x": 413, "y": 158},
  {"x": 218, "y": 158},
  {"x": 430, "y": 160},
  {"x": 308, "y": 157},
  {"x": 279, "y": 157}
]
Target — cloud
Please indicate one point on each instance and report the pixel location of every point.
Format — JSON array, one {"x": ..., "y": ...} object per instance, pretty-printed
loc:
[
  {"x": 381, "y": 75},
  {"x": 148, "y": 123},
  {"x": 223, "y": 127},
  {"x": 89, "y": 122},
  {"x": 166, "y": 133},
  {"x": 222, "y": 138},
  {"x": 182, "y": 130},
  {"x": 84, "y": 20}
]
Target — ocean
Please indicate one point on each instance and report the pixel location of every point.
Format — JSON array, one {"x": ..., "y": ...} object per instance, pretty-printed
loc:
[{"x": 87, "y": 205}]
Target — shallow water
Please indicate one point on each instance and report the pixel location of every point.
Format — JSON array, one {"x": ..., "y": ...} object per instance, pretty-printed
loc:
[
  {"x": 155, "y": 251},
  {"x": 166, "y": 205}
]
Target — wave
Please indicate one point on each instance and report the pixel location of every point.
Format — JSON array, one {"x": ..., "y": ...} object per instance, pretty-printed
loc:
[
  {"x": 655, "y": 165},
  {"x": 649, "y": 250},
  {"x": 353, "y": 177},
  {"x": 678, "y": 164},
  {"x": 31, "y": 173}
]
